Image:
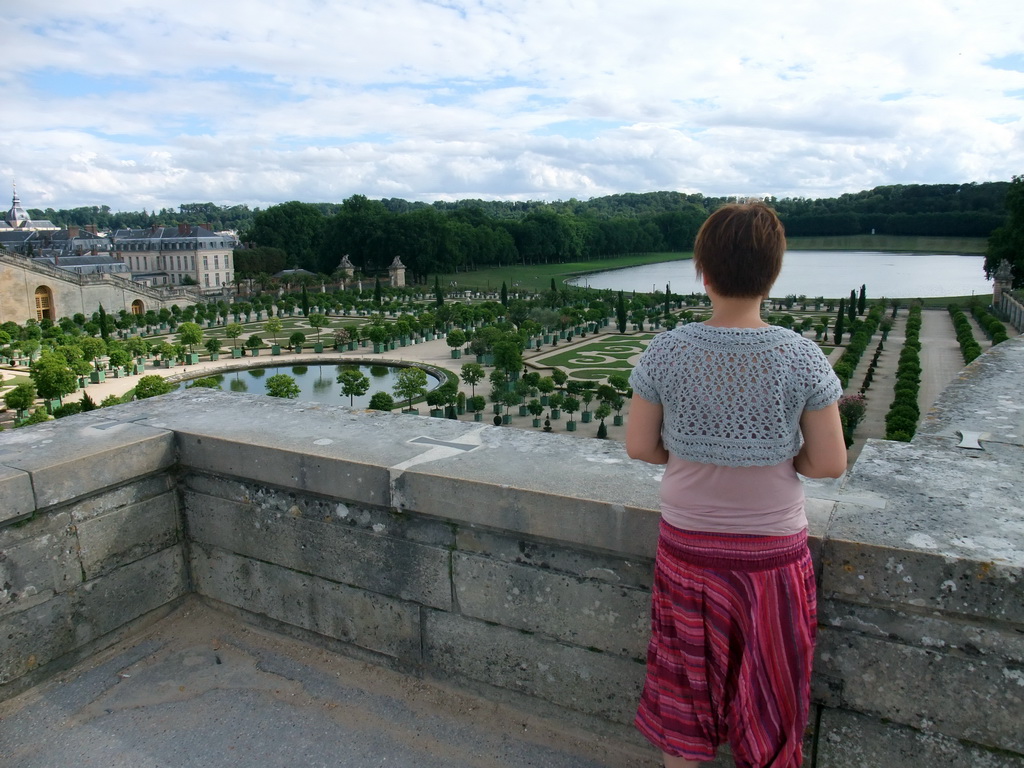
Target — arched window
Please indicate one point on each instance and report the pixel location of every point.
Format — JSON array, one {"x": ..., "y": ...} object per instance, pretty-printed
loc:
[
  {"x": 138, "y": 308},
  {"x": 44, "y": 303}
]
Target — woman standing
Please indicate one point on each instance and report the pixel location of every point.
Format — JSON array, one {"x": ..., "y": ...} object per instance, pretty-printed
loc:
[{"x": 735, "y": 408}]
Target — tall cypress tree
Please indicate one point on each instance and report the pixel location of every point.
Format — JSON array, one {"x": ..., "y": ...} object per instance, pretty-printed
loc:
[
  {"x": 837, "y": 327},
  {"x": 862, "y": 300},
  {"x": 104, "y": 329},
  {"x": 851, "y": 308},
  {"x": 438, "y": 294},
  {"x": 378, "y": 293},
  {"x": 504, "y": 294},
  {"x": 620, "y": 313}
]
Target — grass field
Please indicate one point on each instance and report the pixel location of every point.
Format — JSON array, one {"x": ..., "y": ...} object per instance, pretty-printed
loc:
[
  {"x": 537, "y": 277},
  {"x": 905, "y": 243}
]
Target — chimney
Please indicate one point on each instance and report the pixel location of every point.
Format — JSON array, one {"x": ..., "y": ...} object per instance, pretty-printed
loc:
[
  {"x": 90, "y": 228},
  {"x": 72, "y": 232}
]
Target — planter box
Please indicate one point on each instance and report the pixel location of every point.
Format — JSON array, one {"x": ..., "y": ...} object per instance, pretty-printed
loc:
[
  {"x": 544, "y": 400},
  {"x": 255, "y": 352},
  {"x": 478, "y": 416},
  {"x": 236, "y": 352},
  {"x": 83, "y": 382},
  {"x": 97, "y": 377},
  {"x": 351, "y": 346},
  {"x": 506, "y": 419},
  {"x": 275, "y": 349},
  {"x": 570, "y": 426},
  {"x": 536, "y": 423},
  {"x": 523, "y": 411},
  {"x": 556, "y": 413},
  {"x": 617, "y": 420},
  {"x": 138, "y": 368},
  {"x": 497, "y": 408},
  {"x": 411, "y": 411},
  {"x": 214, "y": 356},
  {"x": 456, "y": 354},
  {"x": 298, "y": 349},
  {"x": 437, "y": 413},
  {"x": 586, "y": 416},
  {"x": 378, "y": 348},
  {"x": 318, "y": 348},
  {"x": 191, "y": 358}
]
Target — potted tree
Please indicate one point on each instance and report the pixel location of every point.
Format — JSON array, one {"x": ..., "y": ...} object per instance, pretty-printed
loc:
[
  {"x": 508, "y": 399},
  {"x": 273, "y": 326},
  {"x": 587, "y": 396},
  {"x": 379, "y": 335},
  {"x": 455, "y": 339},
  {"x": 190, "y": 334},
  {"x": 233, "y": 331},
  {"x": 296, "y": 340},
  {"x": 253, "y": 344},
  {"x": 92, "y": 349},
  {"x": 570, "y": 405},
  {"x": 318, "y": 320},
  {"x": 555, "y": 401},
  {"x": 213, "y": 346},
  {"x": 435, "y": 399},
  {"x": 476, "y": 404},
  {"x": 120, "y": 358},
  {"x": 472, "y": 374},
  {"x": 546, "y": 385},
  {"x": 536, "y": 409}
]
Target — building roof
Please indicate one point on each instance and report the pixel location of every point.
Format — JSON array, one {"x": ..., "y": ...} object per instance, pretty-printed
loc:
[{"x": 17, "y": 218}]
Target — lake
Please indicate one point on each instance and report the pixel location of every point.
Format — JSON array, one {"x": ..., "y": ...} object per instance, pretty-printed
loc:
[{"x": 832, "y": 274}]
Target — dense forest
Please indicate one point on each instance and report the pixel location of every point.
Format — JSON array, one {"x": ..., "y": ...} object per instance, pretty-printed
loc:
[{"x": 452, "y": 236}]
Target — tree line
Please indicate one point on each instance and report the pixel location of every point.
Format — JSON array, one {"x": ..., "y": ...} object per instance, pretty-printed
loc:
[{"x": 463, "y": 235}]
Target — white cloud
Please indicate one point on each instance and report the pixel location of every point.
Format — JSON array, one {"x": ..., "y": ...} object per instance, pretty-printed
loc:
[{"x": 261, "y": 102}]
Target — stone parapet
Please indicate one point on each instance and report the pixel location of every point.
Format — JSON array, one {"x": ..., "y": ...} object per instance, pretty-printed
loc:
[{"x": 518, "y": 563}]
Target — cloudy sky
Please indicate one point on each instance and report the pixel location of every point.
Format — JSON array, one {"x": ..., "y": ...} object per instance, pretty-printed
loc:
[{"x": 144, "y": 105}]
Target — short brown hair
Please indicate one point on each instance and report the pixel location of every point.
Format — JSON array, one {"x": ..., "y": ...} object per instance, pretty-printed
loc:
[{"x": 739, "y": 249}]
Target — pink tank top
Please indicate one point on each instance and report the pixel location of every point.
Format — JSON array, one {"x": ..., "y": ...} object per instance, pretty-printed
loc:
[{"x": 757, "y": 500}]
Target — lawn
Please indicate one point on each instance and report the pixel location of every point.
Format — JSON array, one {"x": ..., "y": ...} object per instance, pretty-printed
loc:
[
  {"x": 537, "y": 277},
  {"x": 905, "y": 243},
  {"x": 599, "y": 359}
]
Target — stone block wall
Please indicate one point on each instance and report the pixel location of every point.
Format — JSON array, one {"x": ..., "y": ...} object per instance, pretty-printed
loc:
[
  {"x": 519, "y": 564},
  {"x": 91, "y": 541}
]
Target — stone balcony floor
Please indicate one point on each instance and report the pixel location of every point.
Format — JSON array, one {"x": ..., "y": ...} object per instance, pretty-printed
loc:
[{"x": 200, "y": 688}]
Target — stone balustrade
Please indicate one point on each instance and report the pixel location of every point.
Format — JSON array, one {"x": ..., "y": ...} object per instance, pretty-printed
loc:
[{"x": 518, "y": 564}]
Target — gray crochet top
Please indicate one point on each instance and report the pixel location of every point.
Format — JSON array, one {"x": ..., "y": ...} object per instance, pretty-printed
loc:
[{"x": 734, "y": 396}]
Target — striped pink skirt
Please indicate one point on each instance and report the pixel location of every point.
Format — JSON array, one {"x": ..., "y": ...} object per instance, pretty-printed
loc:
[{"x": 733, "y": 621}]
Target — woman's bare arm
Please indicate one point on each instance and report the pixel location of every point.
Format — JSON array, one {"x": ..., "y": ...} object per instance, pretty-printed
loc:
[
  {"x": 643, "y": 431},
  {"x": 823, "y": 453}
]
